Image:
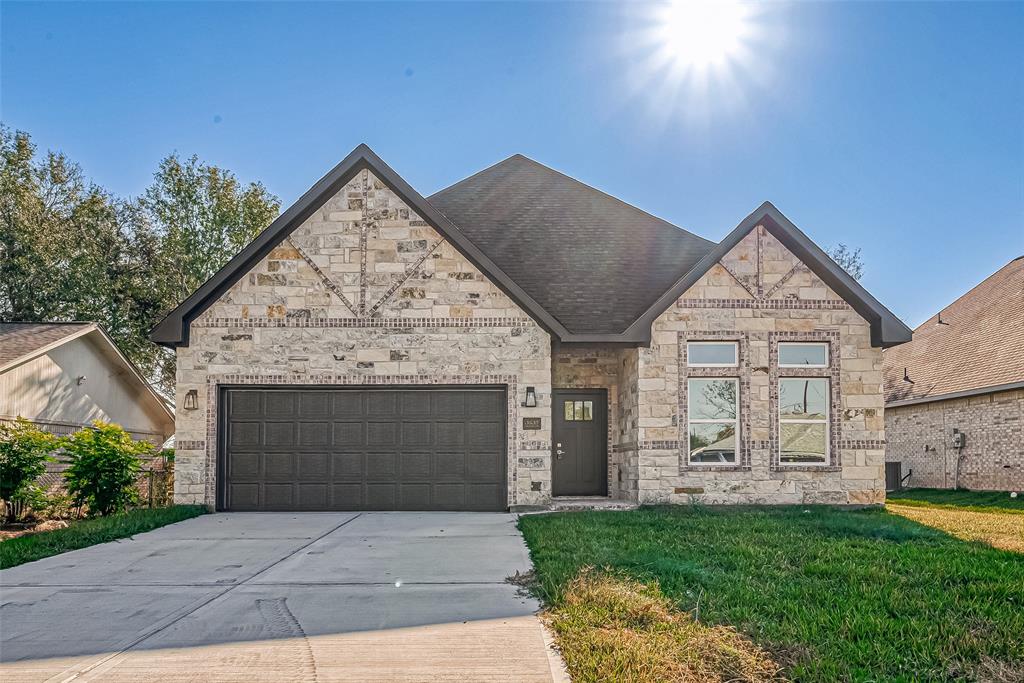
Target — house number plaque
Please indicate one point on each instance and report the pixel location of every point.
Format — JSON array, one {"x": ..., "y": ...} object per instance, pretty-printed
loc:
[{"x": 531, "y": 423}]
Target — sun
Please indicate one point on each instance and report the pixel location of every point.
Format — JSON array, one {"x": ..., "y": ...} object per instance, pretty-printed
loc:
[{"x": 701, "y": 34}]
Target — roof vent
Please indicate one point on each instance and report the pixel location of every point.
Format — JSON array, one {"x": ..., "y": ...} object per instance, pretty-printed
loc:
[{"x": 906, "y": 377}]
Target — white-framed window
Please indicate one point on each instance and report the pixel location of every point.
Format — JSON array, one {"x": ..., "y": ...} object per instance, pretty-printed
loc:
[
  {"x": 803, "y": 421},
  {"x": 712, "y": 354},
  {"x": 713, "y": 412},
  {"x": 803, "y": 354}
]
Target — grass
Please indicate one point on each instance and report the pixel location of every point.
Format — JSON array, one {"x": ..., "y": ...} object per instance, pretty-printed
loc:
[
  {"x": 87, "y": 532},
  {"x": 961, "y": 499},
  {"x": 832, "y": 595}
]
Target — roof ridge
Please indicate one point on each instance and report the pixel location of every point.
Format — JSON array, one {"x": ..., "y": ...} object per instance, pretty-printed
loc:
[{"x": 582, "y": 184}]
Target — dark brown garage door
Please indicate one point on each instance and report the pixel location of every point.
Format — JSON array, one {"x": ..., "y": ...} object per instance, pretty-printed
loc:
[{"x": 315, "y": 448}]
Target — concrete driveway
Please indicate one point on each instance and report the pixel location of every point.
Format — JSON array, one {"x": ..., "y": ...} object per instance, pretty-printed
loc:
[{"x": 281, "y": 597}]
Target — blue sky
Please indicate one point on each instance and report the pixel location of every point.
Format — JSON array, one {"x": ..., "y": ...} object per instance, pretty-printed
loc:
[{"x": 897, "y": 128}]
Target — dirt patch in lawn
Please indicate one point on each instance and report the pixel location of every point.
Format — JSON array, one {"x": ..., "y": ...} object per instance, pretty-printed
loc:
[
  {"x": 21, "y": 528},
  {"x": 998, "y": 529},
  {"x": 612, "y": 628}
]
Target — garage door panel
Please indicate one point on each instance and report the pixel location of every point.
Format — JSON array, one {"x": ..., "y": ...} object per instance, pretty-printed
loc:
[
  {"x": 279, "y": 434},
  {"x": 246, "y": 433},
  {"x": 348, "y": 434},
  {"x": 356, "y": 448},
  {"x": 314, "y": 434}
]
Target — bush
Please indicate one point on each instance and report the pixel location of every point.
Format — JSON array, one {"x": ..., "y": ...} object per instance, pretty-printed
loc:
[
  {"x": 104, "y": 462},
  {"x": 24, "y": 452}
]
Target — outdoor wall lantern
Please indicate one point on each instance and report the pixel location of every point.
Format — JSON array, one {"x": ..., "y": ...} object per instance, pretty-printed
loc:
[
  {"x": 191, "y": 400},
  {"x": 531, "y": 398}
]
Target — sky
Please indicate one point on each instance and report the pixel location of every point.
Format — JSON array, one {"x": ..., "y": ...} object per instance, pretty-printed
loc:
[{"x": 897, "y": 128}]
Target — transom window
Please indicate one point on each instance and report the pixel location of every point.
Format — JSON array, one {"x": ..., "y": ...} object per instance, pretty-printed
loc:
[
  {"x": 803, "y": 355},
  {"x": 713, "y": 411},
  {"x": 712, "y": 354},
  {"x": 803, "y": 421},
  {"x": 578, "y": 411}
]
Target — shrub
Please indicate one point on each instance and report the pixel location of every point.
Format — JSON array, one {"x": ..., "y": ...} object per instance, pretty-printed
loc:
[
  {"x": 104, "y": 462},
  {"x": 24, "y": 452}
]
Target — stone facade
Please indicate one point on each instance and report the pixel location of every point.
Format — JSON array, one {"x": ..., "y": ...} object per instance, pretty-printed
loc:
[
  {"x": 364, "y": 292},
  {"x": 920, "y": 436},
  {"x": 758, "y": 295}
]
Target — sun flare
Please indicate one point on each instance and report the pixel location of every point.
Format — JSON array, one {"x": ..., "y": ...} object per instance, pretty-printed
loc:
[{"x": 699, "y": 34}]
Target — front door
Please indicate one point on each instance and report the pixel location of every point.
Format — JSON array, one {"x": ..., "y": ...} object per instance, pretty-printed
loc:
[{"x": 580, "y": 442}]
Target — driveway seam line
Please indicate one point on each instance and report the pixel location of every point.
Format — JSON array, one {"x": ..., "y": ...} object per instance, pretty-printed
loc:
[{"x": 141, "y": 639}]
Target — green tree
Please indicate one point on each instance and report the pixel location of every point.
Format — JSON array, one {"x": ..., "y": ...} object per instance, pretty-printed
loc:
[
  {"x": 104, "y": 463},
  {"x": 24, "y": 451}
]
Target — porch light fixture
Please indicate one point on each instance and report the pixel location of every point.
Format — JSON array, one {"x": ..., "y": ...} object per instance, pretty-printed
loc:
[
  {"x": 531, "y": 398},
  {"x": 191, "y": 400}
]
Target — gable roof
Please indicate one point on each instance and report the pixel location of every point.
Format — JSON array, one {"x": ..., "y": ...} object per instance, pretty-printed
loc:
[
  {"x": 21, "y": 342},
  {"x": 977, "y": 346},
  {"x": 585, "y": 266},
  {"x": 591, "y": 260},
  {"x": 174, "y": 328}
]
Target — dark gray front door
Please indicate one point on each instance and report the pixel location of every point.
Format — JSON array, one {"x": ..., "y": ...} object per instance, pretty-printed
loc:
[
  {"x": 580, "y": 442},
  {"x": 341, "y": 448}
]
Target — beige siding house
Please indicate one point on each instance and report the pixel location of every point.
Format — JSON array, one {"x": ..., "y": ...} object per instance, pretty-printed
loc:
[
  {"x": 63, "y": 376},
  {"x": 516, "y": 340}
]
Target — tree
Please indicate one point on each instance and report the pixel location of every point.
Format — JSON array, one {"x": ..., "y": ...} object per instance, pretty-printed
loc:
[
  {"x": 104, "y": 462},
  {"x": 69, "y": 250},
  {"x": 849, "y": 259}
]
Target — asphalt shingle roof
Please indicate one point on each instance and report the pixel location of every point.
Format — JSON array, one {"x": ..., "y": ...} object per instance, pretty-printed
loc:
[
  {"x": 592, "y": 261},
  {"x": 21, "y": 339},
  {"x": 980, "y": 343}
]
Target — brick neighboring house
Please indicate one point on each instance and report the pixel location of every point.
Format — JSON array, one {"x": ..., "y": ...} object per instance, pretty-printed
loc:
[
  {"x": 962, "y": 374},
  {"x": 518, "y": 337}
]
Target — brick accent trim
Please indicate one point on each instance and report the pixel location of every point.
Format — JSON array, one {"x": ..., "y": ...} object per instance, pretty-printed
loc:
[
  {"x": 686, "y": 372},
  {"x": 831, "y": 373},
  {"x": 409, "y": 272},
  {"x": 768, "y": 304},
  {"x": 363, "y": 322},
  {"x": 214, "y": 382},
  {"x": 324, "y": 278}
]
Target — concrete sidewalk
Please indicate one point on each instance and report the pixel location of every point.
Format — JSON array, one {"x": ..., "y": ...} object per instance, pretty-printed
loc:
[{"x": 281, "y": 596}]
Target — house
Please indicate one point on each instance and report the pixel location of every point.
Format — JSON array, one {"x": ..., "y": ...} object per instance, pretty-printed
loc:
[
  {"x": 521, "y": 336},
  {"x": 63, "y": 376},
  {"x": 954, "y": 414}
]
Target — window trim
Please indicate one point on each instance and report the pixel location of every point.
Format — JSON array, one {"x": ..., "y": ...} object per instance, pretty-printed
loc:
[
  {"x": 735, "y": 353},
  {"x": 824, "y": 344},
  {"x": 826, "y": 420},
  {"x": 735, "y": 421}
]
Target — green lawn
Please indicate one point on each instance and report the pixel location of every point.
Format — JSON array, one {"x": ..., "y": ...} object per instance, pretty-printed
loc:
[
  {"x": 86, "y": 532},
  {"x": 833, "y": 595},
  {"x": 981, "y": 501}
]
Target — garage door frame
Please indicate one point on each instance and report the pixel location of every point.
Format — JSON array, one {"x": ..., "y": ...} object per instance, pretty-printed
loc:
[{"x": 222, "y": 420}]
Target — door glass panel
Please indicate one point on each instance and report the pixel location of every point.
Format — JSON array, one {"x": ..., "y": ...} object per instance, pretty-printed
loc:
[
  {"x": 712, "y": 399},
  {"x": 579, "y": 410},
  {"x": 804, "y": 399},
  {"x": 570, "y": 414},
  {"x": 588, "y": 410}
]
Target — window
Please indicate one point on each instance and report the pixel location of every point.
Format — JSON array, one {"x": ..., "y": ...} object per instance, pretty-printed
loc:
[
  {"x": 803, "y": 420},
  {"x": 803, "y": 355},
  {"x": 713, "y": 417},
  {"x": 578, "y": 411},
  {"x": 712, "y": 354}
]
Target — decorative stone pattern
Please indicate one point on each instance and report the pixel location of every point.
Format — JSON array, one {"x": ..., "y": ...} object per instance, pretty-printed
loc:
[
  {"x": 761, "y": 293},
  {"x": 920, "y": 436},
  {"x": 365, "y": 292}
]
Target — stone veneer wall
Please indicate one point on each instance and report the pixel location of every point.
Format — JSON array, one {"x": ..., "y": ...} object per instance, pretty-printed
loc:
[
  {"x": 760, "y": 294},
  {"x": 920, "y": 436},
  {"x": 364, "y": 292}
]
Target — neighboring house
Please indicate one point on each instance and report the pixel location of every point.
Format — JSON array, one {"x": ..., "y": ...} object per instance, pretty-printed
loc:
[
  {"x": 518, "y": 336},
  {"x": 63, "y": 376},
  {"x": 954, "y": 412}
]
